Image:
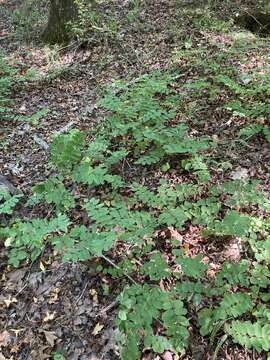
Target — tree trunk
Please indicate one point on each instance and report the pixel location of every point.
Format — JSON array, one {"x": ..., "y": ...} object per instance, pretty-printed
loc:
[{"x": 61, "y": 13}]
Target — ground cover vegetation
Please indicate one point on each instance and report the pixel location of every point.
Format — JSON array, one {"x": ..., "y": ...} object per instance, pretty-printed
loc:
[{"x": 147, "y": 194}]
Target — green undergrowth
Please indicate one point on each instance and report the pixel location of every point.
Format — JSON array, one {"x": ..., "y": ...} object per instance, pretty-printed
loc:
[
  {"x": 29, "y": 19},
  {"x": 224, "y": 78},
  {"x": 7, "y": 76},
  {"x": 120, "y": 184},
  {"x": 11, "y": 79}
]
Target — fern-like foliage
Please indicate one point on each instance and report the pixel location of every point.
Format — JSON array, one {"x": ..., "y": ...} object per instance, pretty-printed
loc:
[
  {"x": 53, "y": 191},
  {"x": 28, "y": 238},
  {"x": 192, "y": 267},
  {"x": 81, "y": 244},
  {"x": 8, "y": 202},
  {"x": 66, "y": 150},
  {"x": 143, "y": 132},
  {"x": 140, "y": 118},
  {"x": 243, "y": 194},
  {"x": 156, "y": 268},
  {"x": 234, "y": 274},
  {"x": 250, "y": 335},
  {"x": 131, "y": 226},
  {"x": 140, "y": 306},
  {"x": 233, "y": 223},
  {"x": 233, "y": 305},
  {"x": 7, "y": 78},
  {"x": 262, "y": 250}
]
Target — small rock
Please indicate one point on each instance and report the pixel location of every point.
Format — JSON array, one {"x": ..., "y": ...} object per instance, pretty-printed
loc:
[
  {"x": 167, "y": 355},
  {"x": 25, "y": 128},
  {"x": 65, "y": 128},
  {"x": 6, "y": 186},
  {"x": 42, "y": 143},
  {"x": 239, "y": 174},
  {"x": 233, "y": 250}
]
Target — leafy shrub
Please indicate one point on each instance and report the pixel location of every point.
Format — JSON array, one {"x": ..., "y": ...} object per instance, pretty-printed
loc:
[
  {"x": 30, "y": 18},
  {"x": 142, "y": 131},
  {"x": 8, "y": 202},
  {"x": 140, "y": 306},
  {"x": 27, "y": 239},
  {"x": 8, "y": 78},
  {"x": 7, "y": 75},
  {"x": 93, "y": 20}
]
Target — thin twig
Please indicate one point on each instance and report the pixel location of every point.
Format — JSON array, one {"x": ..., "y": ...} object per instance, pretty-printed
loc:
[
  {"x": 107, "y": 308},
  {"x": 118, "y": 268},
  {"x": 82, "y": 293},
  {"x": 254, "y": 18},
  {"x": 68, "y": 46}
]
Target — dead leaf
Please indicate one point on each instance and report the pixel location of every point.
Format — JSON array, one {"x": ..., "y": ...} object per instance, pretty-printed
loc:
[
  {"x": 23, "y": 108},
  {"x": 97, "y": 329},
  {"x": 239, "y": 174},
  {"x": 50, "y": 337},
  {"x": 14, "y": 350},
  {"x": 54, "y": 296},
  {"x": 167, "y": 355},
  {"x": 10, "y": 301},
  {"x": 175, "y": 235},
  {"x": 42, "y": 267},
  {"x": 16, "y": 275},
  {"x": 17, "y": 331},
  {"x": 5, "y": 338},
  {"x": 49, "y": 316},
  {"x": 233, "y": 250},
  {"x": 93, "y": 293}
]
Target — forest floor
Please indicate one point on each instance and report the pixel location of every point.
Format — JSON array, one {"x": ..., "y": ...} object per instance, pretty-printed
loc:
[{"x": 49, "y": 307}]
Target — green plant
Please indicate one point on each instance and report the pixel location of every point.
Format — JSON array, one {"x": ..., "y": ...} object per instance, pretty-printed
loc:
[
  {"x": 254, "y": 129},
  {"x": 140, "y": 306},
  {"x": 34, "y": 118},
  {"x": 29, "y": 19},
  {"x": 54, "y": 192},
  {"x": 91, "y": 21},
  {"x": 140, "y": 119},
  {"x": 8, "y": 74},
  {"x": 250, "y": 335},
  {"x": 9, "y": 77},
  {"x": 27, "y": 239},
  {"x": 67, "y": 150},
  {"x": 58, "y": 356},
  {"x": 8, "y": 202},
  {"x": 135, "y": 9},
  {"x": 142, "y": 132}
]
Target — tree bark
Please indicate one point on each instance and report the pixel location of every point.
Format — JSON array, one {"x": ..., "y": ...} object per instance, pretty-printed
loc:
[{"x": 61, "y": 13}]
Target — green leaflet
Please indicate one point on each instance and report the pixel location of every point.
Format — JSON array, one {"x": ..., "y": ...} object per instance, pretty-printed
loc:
[
  {"x": 82, "y": 244},
  {"x": 24, "y": 238},
  {"x": 233, "y": 305},
  {"x": 66, "y": 150},
  {"x": 53, "y": 191},
  {"x": 8, "y": 202},
  {"x": 156, "y": 268},
  {"x": 192, "y": 267},
  {"x": 233, "y": 223},
  {"x": 140, "y": 306},
  {"x": 250, "y": 335},
  {"x": 177, "y": 217}
]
